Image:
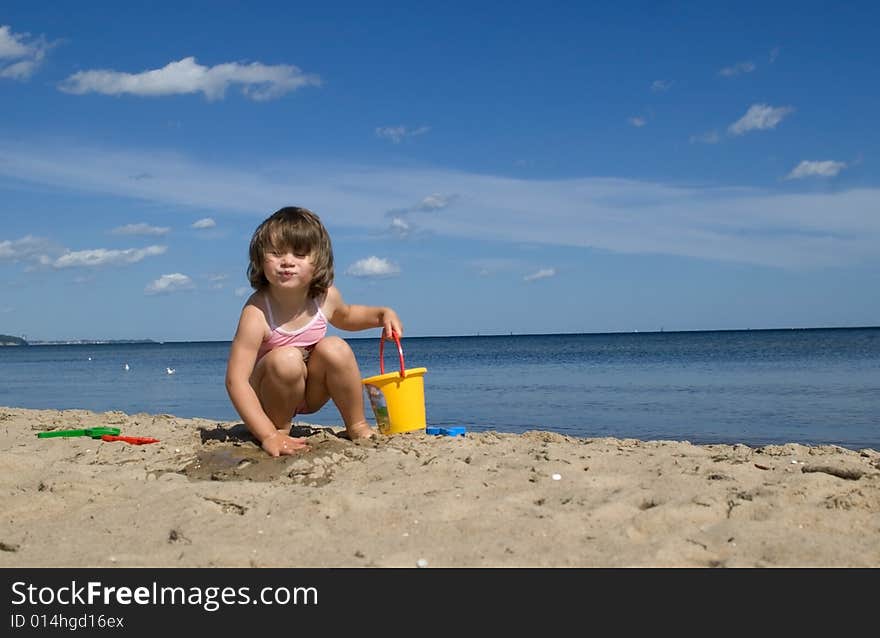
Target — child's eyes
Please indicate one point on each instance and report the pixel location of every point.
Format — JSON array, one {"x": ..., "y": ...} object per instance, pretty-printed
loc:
[{"x": 279, "y": 253}]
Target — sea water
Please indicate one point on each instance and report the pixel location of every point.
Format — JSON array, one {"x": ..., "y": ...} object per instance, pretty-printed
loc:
[{"x": 814, "y": 386}]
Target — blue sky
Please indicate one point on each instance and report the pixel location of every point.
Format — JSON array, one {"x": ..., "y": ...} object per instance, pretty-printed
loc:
[{"x": 525, "y": 167}]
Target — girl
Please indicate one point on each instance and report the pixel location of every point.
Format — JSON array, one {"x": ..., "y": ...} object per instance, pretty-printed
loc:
[{"x": 281, "y": 362}]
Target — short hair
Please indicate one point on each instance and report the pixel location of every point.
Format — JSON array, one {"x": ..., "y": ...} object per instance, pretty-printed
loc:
[{"x": 301, "y": 231}]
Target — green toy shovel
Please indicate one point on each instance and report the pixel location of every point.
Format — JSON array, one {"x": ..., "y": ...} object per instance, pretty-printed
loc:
[{"x": 95, "y": 433}]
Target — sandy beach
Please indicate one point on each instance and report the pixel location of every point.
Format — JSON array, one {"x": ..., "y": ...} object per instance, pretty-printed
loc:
[{"x": 205, "y": 495}]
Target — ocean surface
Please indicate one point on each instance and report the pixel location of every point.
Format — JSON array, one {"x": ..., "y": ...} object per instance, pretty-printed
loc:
[{"x": 757, "y": 387}]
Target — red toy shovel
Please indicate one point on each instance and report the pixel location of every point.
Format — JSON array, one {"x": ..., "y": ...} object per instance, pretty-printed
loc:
[{"x": 134, "y": 440}]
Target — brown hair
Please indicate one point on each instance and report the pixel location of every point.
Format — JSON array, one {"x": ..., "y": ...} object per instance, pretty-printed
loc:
[{"x": 301, "y": 231}]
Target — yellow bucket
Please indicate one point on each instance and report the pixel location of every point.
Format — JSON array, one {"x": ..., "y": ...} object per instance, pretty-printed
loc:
[{"x": 397, "y": 398}]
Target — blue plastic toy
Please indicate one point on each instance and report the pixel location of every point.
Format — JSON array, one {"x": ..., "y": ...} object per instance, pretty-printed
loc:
[{"x": 454, "y": 430}]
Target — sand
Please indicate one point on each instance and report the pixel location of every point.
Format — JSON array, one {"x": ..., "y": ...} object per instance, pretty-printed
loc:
[{"x": 207, "y": 496}]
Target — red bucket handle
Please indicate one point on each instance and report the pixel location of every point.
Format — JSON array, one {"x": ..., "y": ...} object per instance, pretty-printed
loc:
[{"x": 396, "y": 338}]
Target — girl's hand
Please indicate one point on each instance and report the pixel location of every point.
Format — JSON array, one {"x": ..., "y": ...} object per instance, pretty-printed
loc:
[
  {"x": 391, "y": 323},
  {"x": 281, "y": 444}
]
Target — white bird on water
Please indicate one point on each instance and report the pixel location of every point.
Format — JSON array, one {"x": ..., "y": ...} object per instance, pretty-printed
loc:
[
  {"x": 126, "y": 367},
  {"x": 170, "y": 370}
]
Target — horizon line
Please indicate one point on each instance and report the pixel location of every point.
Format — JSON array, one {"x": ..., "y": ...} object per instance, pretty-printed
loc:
[{"x": 134, "y": 341}]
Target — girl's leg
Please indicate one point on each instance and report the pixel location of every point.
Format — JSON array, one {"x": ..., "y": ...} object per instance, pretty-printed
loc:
[
  {"x": 279, "y": 379},
  {"x": 333, "y": 373}
]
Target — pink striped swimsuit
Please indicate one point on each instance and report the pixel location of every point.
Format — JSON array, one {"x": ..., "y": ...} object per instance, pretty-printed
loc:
[{"x": 305, "y": 338}]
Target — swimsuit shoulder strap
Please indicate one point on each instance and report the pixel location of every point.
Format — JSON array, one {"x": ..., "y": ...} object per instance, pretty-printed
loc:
[{"x": 272, "y": 325}]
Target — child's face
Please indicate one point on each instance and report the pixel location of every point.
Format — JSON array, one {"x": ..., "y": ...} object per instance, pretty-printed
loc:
[{"x": 285, "y": 269}]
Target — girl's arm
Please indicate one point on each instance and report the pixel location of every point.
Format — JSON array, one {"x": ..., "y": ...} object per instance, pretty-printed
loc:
[
  {"x": 353, "y": 317},
  {"x": 242, "y": 356}
]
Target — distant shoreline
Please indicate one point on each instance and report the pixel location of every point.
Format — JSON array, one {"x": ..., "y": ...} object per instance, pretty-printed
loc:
[
  {"x": 62, "y": 342},
  {"x": 9, "y": 340},
  {"x": 89, "y": 342}
]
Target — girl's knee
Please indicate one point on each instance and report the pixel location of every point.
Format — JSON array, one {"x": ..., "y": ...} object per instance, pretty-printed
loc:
[
  {"x": 285, "y": 364},
  {"x": 334, "y": 349}
]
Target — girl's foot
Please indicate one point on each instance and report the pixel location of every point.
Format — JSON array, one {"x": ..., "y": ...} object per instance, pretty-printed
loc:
[{"x": 360, "y": 430}]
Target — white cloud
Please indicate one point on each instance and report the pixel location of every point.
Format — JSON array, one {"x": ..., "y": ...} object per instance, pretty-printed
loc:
[
  {"x": 26, "y": 53},
  {"x": 104, "y": 257},
  {"x": 429, "y": 204},
  {"x": 242, "y": 291},
  {"x": 398, "y": 133},
  {"x": 759, "y": 117},
  {"x": 774, "y": 53},
  {"x": 372, "y": 267},
  {"x": 435, "y": 201},
  {"x": 709, "y": 137},
  {"x": 400, "y": 226},
  {"x": 754, "y": 226},
  {"x": 205, "y": 222},
  {"x": 637, "y": 121},
  {"x": 28, "y": 247},
  {"x": 11, "y": 44},
  {"x": 141, "y": 229},
  {"x": 736, "y": 69},
  {"x": 403, "y": 227},
  {"x": 20, "y": 70},
  {"x": 259, "y": 81},
  {"x": 169, "y": 283},
  {"x": 660, "y": 86},
  {"x": 544, "y": 273},
  {"x": 806, "y": 168},
  {"x": 217, "y": 281}
]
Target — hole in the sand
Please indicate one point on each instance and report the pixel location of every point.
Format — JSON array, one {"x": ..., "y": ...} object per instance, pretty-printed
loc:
[{"x": 235, "y": 463}]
